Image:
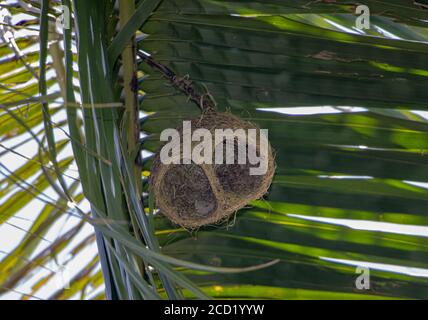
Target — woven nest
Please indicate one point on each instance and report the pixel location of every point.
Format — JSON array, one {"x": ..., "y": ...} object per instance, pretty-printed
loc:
[{"x": 193, "y": 195}]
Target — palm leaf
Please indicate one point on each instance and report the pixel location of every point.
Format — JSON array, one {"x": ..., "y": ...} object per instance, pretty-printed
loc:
[{"x": 311, "y": 219}]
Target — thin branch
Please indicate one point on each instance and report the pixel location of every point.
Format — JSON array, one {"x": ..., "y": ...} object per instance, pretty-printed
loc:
[{"x": 204, "y": 101}]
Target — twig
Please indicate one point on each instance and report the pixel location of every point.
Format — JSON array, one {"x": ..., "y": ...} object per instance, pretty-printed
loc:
[{"x": 204, "y": 101}]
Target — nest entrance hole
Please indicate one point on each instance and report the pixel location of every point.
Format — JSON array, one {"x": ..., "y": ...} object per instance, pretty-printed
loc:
[
  {"x": 187, "y": 189},
  {"x": 236, "y": 177}
]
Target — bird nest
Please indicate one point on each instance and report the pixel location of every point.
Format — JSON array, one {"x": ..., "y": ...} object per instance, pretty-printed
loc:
[{"x": 192, "y": 194}]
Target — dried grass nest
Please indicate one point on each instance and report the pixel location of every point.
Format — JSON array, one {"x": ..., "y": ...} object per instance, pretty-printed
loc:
[{"x": 192, "y": 195}]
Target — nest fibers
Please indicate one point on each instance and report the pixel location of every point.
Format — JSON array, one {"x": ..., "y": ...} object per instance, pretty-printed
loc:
[{"x": 191, "y": 194}]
